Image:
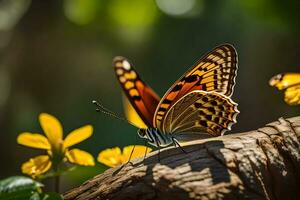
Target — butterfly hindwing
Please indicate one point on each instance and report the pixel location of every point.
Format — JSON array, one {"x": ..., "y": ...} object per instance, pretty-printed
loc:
[
  {"x": 142, "y": 98},
  {"x": 201, "y": 112},
  {"x": 214, "y": 72}
]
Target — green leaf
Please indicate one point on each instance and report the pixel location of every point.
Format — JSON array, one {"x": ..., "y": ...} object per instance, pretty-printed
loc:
[
  {"x": 18, "y": 187},
  {"x": 35, "y": 196},
  {"x": 51, "y": 196}
]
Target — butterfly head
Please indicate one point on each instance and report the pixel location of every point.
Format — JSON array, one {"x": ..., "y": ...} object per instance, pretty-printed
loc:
[
  {"x": 142, "y": 133},
  {"x": 276, "y": 81}
]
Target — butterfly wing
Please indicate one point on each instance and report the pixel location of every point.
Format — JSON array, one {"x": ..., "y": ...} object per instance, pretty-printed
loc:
[
  {"x": 131, "y": 114},
  {"x": 142, "y": 98},
  {"x": 216, "y": 71},
  {"x": 201, "y": 112}
]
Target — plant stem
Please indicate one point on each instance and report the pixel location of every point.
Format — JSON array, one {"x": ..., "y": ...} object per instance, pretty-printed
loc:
[
  {"x": 56, "y": 183},
  {"x": 56, "y": 179},
  {"x": 56, "y": 173}
]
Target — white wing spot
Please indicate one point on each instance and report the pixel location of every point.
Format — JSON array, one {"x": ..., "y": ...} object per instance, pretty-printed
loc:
[
  {"x": 120, "y": 71},
  {"x": 126, "y": 65},
  {"x": 122, "y": 79}
]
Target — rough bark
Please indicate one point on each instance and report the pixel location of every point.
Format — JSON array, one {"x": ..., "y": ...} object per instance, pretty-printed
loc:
[{"x": 259, "y": 164}]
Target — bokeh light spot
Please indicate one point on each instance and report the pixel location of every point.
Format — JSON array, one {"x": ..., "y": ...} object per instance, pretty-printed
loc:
[
  {"x": 80, "y": 12},
  {"x": 134, "y": 13},
  {"x": 11, "y": 12},
  {"x": 176, "y": 7}
]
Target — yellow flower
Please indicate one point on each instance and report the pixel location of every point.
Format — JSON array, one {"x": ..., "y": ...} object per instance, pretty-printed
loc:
[
  {"x": 114, "y": 157},
  {"x": 57, "y": 148},
  {"x": 290, "y": 83}
]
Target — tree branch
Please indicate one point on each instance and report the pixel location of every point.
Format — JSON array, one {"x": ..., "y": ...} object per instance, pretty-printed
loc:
[{"x": 259, "y": 164}]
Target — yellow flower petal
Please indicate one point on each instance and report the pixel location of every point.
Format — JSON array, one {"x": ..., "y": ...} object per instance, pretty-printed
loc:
[
  {"x": 110, "y": 157},
  {"x": 113, "y": 157},
  {"x": 52, "y": 129},
  {"x": 78, "y": 136},
  {"x": 285, "y": 80},
  {"x": 292, "y": 95},
  {"x": 139, "y": 151},
  {"x": 33, "y": 140},
  {"x": 80, "y": 157},
  {"x": 37, "y": 166}
]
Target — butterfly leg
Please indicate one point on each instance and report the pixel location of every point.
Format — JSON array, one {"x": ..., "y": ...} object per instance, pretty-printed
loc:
[
  {"x": 176, "y": 143},
  {"x": 130, "y": 156},
  {"x": 145, "y": 150},
  {"x": 158, "y": 146}
]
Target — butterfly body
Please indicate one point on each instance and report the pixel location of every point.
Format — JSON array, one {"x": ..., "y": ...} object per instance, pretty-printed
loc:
[
  {"x": 155, "y": 137},
  {"x": 198, "y": 102}
]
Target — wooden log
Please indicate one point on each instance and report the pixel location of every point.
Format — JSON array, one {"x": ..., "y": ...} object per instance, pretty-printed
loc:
[{"x": 259, "y": 164}]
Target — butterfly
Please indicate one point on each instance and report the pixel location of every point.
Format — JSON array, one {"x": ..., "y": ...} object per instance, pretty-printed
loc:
[
  {"x": 198, "y": 104},
  {"x": 290, "y": 82}
]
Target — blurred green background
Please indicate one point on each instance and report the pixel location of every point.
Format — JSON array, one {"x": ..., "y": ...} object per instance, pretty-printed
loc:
[{"x": 55, "y": 57}]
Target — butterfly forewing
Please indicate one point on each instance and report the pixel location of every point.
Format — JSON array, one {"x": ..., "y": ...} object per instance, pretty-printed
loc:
[
  {"x": 142, "y": 98},
  {"x": 201, "y": 112},
  {"x": 214, "y": 72},
  {"x": 131, "y": 114}
]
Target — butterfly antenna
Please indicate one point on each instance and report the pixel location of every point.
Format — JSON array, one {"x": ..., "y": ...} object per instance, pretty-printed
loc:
[{"x": 101, "y": 108}]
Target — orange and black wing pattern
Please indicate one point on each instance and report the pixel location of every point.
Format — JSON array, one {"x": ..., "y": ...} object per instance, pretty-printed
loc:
[
  {"x": 216, "y": 72},
  {"x": 142, "y": 98}
]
